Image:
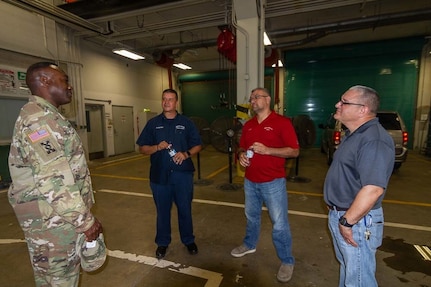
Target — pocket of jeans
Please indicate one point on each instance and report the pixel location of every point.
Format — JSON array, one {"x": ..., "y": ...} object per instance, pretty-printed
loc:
[{"x": 376, "y": 237}]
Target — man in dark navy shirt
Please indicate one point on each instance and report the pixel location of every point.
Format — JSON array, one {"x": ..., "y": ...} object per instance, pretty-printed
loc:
[
  {"x": 171, "y": 139},
  {"x": 355, "y": 185}
]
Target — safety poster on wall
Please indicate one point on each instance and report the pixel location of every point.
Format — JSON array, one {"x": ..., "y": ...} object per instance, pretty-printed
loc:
[{"x": 12, "y": 82}]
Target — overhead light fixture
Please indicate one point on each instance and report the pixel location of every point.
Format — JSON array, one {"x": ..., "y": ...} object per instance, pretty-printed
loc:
[
  {"x": 128, "y": 54},
  {"x": 279, "y": 64},
  {"x": 266, "y": 40},
  {"x": 182, "y": 66}
]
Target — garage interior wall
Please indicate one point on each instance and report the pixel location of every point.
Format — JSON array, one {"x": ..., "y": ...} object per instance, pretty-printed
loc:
[
  {"x": 316, "y": 78},
  {"x": 111, "y": 80},
  {"x": 208, "y": 95},
  {"x": 213, "y": 94},
  {"x": 97, "y": 75}
]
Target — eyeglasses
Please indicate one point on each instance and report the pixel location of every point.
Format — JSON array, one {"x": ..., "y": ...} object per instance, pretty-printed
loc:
[
  {"x": 256, "y": 97},
  {"x": 352, "y": 104}
]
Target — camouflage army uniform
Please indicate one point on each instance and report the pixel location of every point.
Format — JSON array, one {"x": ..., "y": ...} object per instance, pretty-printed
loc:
[{"x": 51, "y": 191}]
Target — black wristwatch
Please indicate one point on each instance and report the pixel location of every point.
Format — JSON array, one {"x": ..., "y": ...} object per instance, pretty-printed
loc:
[
  {"x": 343, "y": 221},
  {"x": 188, "y": 153}
]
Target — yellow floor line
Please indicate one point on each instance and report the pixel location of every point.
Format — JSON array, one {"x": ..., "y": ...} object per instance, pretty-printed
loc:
[
  {"x": 211, "y": 175},
  {"x": 120, "y": 176},
  {"x": 295, "y": 212},
  {"x": 120, "y": 161}
]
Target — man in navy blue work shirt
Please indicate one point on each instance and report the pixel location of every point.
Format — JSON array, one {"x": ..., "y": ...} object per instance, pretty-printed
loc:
[
  {"x": 355, "y": 185},
  {"x": 171, "y": 139}
]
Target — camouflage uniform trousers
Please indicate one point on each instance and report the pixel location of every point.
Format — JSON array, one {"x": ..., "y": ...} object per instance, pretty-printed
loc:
[{"x": 53, "y": 256}]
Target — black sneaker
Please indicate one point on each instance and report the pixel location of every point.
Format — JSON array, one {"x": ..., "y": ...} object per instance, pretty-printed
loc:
[
  {"x": 192, "y": 248},
  {"x": 161, "y": 252}
]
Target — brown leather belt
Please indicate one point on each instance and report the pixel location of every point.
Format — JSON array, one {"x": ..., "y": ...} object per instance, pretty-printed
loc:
[{"x": 336, "y": 208}]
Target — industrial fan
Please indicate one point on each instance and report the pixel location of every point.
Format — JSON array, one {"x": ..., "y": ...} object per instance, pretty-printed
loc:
[
  {"x": 204, "y": 131},
  {"x": 306, "y": 133},
  {"x": 305, "y": 130},
  {"x": 225, "y": 133}
]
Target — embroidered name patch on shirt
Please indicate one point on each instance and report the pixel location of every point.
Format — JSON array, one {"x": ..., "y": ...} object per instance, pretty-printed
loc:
[{"x": 38, "y": 135}]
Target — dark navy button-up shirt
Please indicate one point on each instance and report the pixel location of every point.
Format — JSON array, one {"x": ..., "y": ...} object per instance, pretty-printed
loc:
[{"x": 181, "y": 132}]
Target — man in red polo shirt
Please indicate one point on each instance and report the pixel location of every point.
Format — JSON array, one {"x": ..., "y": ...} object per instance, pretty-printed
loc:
[{"x": 266, "y": 141}]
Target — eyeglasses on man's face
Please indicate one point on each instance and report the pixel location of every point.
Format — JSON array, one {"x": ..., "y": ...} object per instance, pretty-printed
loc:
[
  {"x": 256, "y": 97},
  {"x": 342, "y": 102}
]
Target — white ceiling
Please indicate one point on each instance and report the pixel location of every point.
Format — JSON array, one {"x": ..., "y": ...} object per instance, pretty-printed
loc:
[{"x": 189, "y": 28}]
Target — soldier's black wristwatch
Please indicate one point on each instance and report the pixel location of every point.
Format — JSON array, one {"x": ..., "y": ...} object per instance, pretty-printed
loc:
[{"x": 343, "y": 221}]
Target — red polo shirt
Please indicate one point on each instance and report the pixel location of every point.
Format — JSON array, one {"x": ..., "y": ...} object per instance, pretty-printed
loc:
[{"x": 275, "y": 131}]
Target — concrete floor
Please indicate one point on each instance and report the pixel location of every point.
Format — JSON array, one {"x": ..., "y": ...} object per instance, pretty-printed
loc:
[{"x": 126, "y": 209}]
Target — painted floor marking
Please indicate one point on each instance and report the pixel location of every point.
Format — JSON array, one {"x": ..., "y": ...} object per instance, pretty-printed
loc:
[
  {"x": 10, "y": 241},
  {"x": 412, "y": 203},
  {"x": 120, "y": 176},
  {"x": 424, "y": 251},
  {"x": 295, "y": 212},
  {"x": 120, "y": 161},
  {"x": 213, "y": 278}
]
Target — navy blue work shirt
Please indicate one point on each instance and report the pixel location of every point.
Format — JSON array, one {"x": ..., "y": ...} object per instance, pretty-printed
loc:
[
  {"x": 181, "y": 132},
  {"x": 364, "y": 157}
]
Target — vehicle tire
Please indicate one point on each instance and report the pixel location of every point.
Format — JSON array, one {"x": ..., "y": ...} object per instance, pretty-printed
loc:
[{"x": 397, "y": 165}]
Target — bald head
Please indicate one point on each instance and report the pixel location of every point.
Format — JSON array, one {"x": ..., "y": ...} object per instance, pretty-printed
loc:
[
  {"x": 35, "y": 72},
  {"x": 48, "y": 81}
]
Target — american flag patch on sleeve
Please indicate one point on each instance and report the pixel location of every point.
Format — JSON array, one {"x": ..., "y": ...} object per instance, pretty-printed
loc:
[{"x": 38, "y": 135}]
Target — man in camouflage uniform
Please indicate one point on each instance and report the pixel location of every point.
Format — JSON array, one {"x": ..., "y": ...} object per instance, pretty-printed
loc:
[{"x": 51, "y": 190}]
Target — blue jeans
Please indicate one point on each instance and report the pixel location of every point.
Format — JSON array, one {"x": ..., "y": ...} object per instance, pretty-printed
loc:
[
  {"x": 180, "y": 191},
  {"x": 358, "y": 264},
  {"x": 274, "y": 195}
]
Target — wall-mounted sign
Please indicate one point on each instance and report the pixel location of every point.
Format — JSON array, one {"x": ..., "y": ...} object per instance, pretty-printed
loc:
[{"x": 12, "y": 82}]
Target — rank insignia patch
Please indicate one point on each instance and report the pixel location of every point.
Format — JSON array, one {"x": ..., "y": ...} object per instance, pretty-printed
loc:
[{"x": 48, "y": 147}]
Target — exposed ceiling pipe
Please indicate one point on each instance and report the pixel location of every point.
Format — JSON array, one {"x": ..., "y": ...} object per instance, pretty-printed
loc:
[
  {"x": 359, "y": 23},
  {"x": 273, "y": 9},
  {"x": 153, "y": 9},
  {"x": 80, "y": 24},
  {"x": 57, "y": 14},
  {"x": 197, "y": 22},
  {"x": 322, "y": 30},
  {"x": 304, "y": 41},
  {"x": 182, "y": 46},
  {"x": 93, "y": 9},
  {"x": 283, "y": 7}
]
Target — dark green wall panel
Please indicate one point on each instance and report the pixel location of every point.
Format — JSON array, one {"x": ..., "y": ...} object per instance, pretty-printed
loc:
[
  {"x": 206, "y": 99},
  {"x": 203, "y": 95},
  {"x": 316, "y": 78}
]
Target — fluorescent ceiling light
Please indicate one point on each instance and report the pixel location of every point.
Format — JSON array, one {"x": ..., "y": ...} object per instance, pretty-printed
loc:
[
  {"x": 266, "y": 40},
  {"x": 182, "y": 66},
  {"x": 128, "y": 54}
]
